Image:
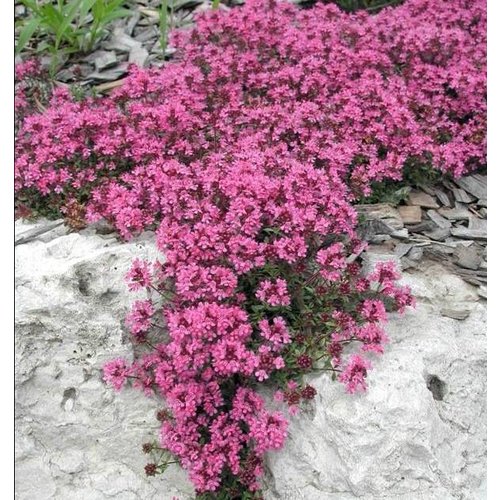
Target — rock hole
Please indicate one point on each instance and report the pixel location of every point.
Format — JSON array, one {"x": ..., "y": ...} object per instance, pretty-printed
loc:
[
  {"x": 84, "y": 282},
  {"x": 436, "y": 386},
  {"x": 68, "y": 400},
  {"x": 108, "y": 296}
]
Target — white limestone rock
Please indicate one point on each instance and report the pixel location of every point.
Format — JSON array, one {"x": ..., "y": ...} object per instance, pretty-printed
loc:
[
  {"x": 77, "y": 438},
  {"x": 419, "y": 432}
]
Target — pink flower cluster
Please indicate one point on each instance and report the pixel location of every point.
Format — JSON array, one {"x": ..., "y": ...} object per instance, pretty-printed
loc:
[
  {"x": 270, "y": 92},
  {"x": 245, "y": 154},
  {"x": 275, "y": 294},
  {"x": 207, "y": 346}
]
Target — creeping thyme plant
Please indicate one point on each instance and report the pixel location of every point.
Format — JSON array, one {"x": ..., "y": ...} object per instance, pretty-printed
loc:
[{"x": 245, "y": 155}]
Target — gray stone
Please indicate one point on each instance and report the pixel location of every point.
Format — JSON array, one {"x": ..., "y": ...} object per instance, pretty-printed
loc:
[
  {"x": 455, "y": 214},
  {"x": 468, "y": 257},
  {"x": 472, "y": 280},
  {"x": 75, "y": 437},
  {"x": 426, "y": 189},
  {"x": 468, "y": 234},
  {"x": 400, "y": 234},
  {"x": 416, "y": 253},
  {"x": 146, "y": 34},
  {"x": 439, "y": 250},
  {"x": 477, "y": 278},
  {"x": 474, "y": 184},
  {"x": 478, "y": 224},
  {"x": 120, "y": 41},
  {"x": 482, "y": 292},
  {"x": 407, "y": 264},
  {"x": 461, "y": 196},
  {"x": 454, "y": 243},
  {"x": 65, "y": 75},
  {"x": 43, "y": 230},
  {"x": 422, "y": 199},
  {"x": 381, "y": 211},
  {"x": 459, "y": 314},
  {"x": 378, "y": 238},
  {"x": 438, "y": 219},
  {"x": 105, "y": 60},
  {"x": 443, "y": 198},
  {"x": 438, "y": 234},
  {"x": 138, "y": 55},
  {"x": 410, "y": 214},
  {"x": 402, "y": 249},
  {"x": 425, "y": 225},
  {"x": 110, "y": 75},
  {"x": 132, "y": 23}
]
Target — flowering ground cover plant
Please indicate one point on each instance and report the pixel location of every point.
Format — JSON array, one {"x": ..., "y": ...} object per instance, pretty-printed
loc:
[{"x": 245, "y": 155}]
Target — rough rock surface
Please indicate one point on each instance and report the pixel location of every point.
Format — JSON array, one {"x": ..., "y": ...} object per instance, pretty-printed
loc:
[
  {"x": 419, "y": 433},
  {"x": 75, "y": 437}
]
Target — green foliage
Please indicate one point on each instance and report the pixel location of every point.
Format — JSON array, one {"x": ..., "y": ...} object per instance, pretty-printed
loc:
[
  {"x": 164, "y": 9},
  {"x": 39, "y": 206},
  {"x": 415, "y": 174},
  {"x": 67, "y": 26}
]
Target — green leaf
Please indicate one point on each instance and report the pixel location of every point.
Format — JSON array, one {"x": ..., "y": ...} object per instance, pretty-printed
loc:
[
  {"x": 31, "y": 4},
  {"x": 163, "y": 26},
  {"x": 51, "y": 18},
  {"x": 98, "y": 11},
  {"x": 26, "y": 33},
  {"x": 85, "y": 8},
  {"x": 69, "y": 15}
]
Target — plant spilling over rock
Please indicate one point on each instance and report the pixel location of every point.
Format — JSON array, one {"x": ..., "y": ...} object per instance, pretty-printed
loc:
[{"x": 245, "y": 154}]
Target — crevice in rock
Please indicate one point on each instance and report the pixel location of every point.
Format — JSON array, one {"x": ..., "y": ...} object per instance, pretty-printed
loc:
[
  {"x": 68, "y": 401},
  {"x": 436, "y": 386},
  {"x": 84, "y": 278}
]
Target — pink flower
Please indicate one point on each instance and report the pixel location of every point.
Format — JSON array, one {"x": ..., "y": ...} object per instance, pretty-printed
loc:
[
  {"x": 278, "y": 396},
  {"x": 139, "y": 318},
  {"x": 115, "y": 373},
  {"x": 373, "y": 337},
  {"x": 373, "y": 310},
  {"x": 354, "y": 374},
  {"x": 246, "y": 155},
  {"x": 332, "y": 261},
  {"x": 269, "y": 431},
  {"x": 275, "y": 294},
  {"x": 139, "y": 275},
  {"x": 277, "y": 333}
]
